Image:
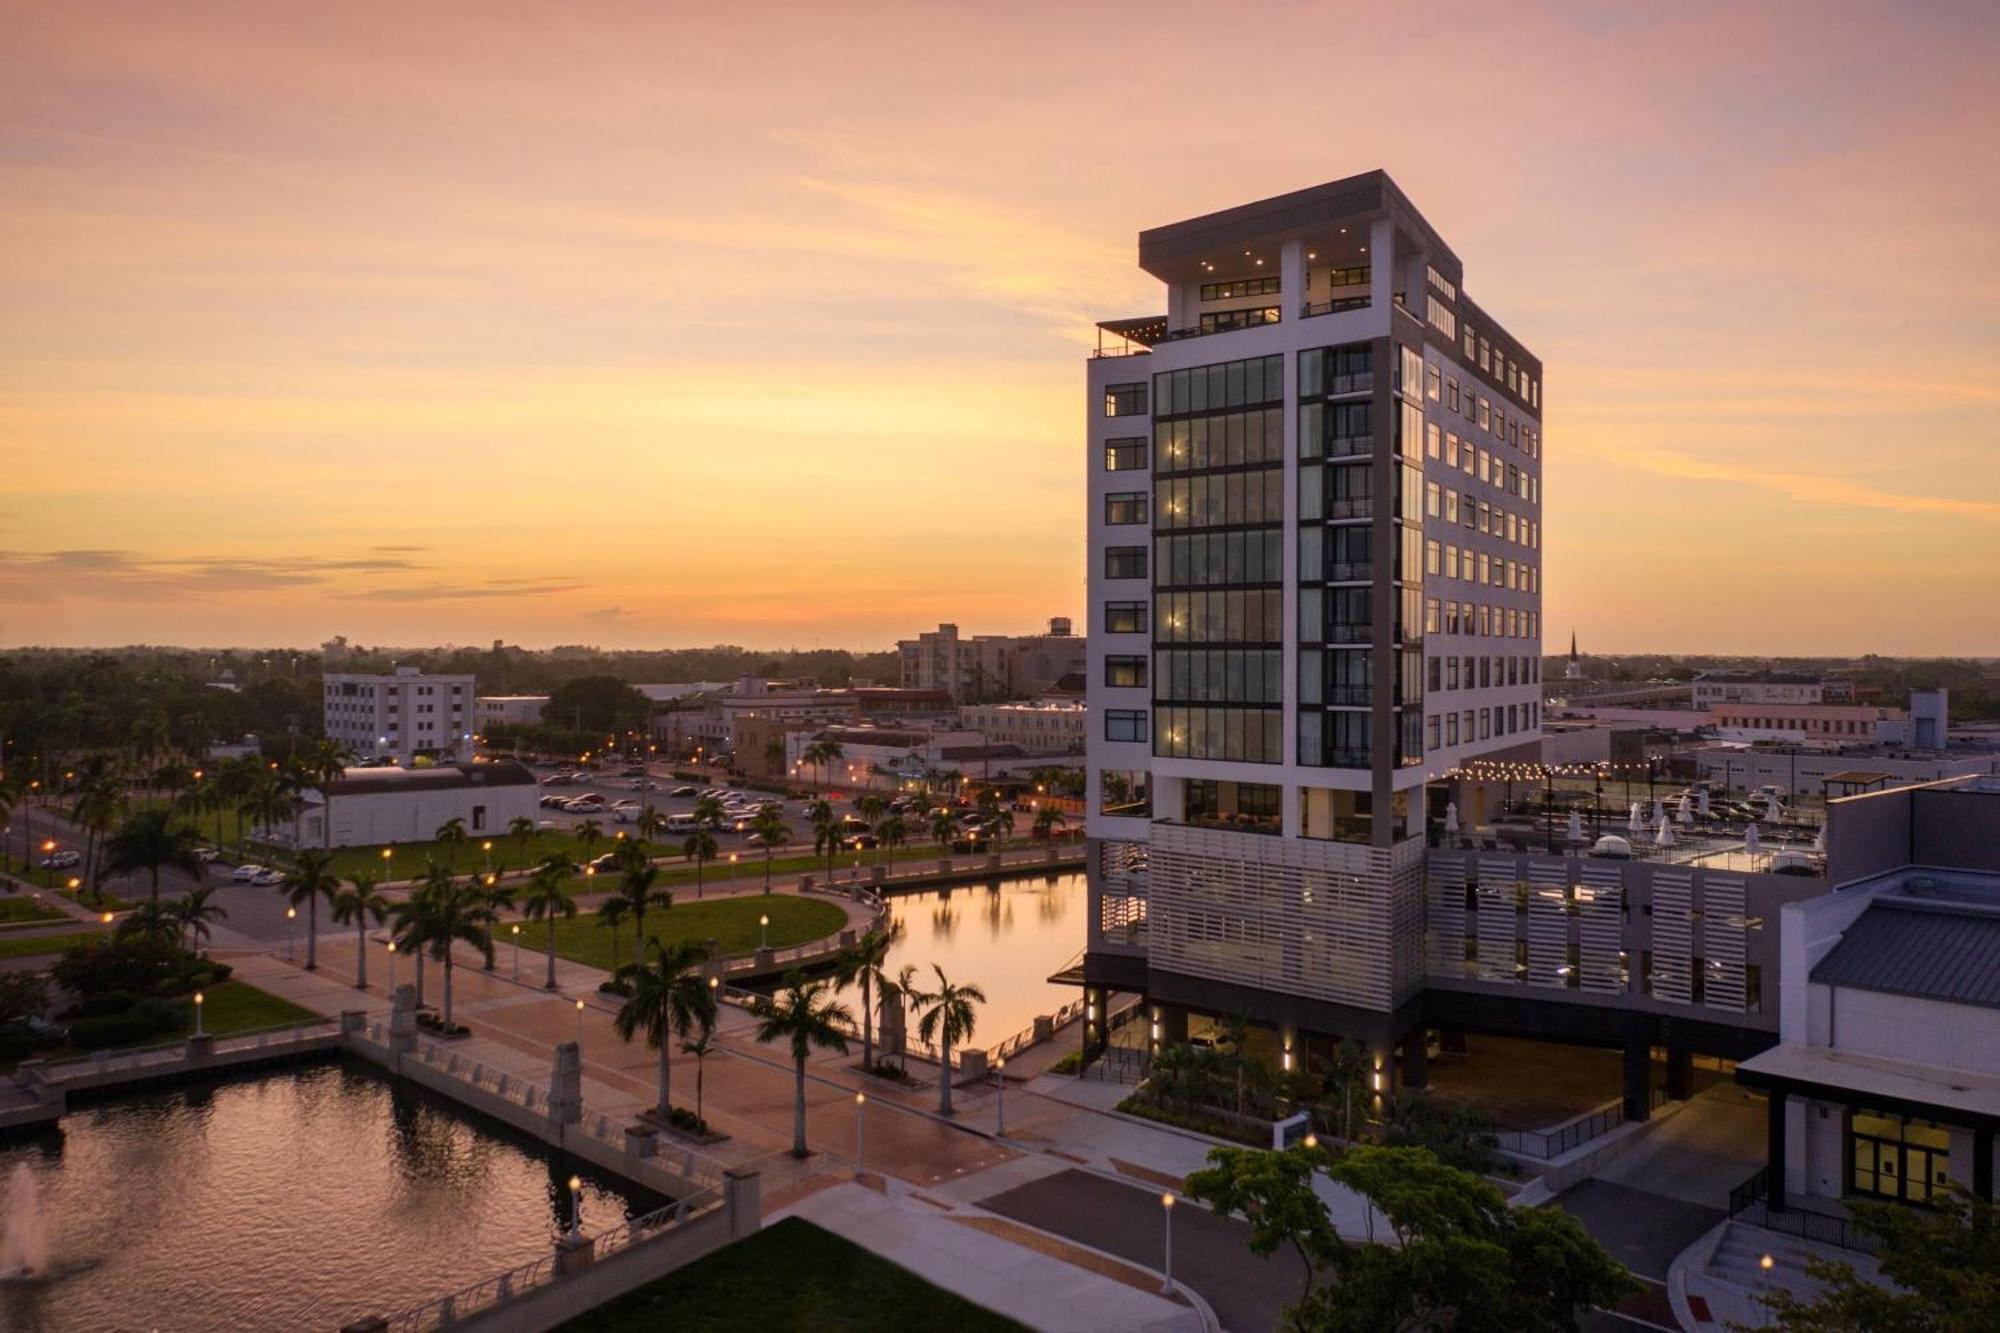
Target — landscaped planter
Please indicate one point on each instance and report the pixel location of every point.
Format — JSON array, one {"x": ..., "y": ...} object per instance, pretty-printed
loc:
[{"x": 684, "y": 1132}]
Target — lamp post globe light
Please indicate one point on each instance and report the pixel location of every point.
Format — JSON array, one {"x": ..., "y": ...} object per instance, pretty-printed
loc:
[
  {"x": 764, "y": 931},
  {"x": 198, "y": 1002},
  {"x": 860, "y": 1110},
  {"x": 291, "y": 934},
  {"x": 516, "y": 929},
  {"x": 576, "y": 1203},
  {"x": 579, "y": 1030},
  {"x": 391, "y": 949},
  {"x": 1167, "y": 1270}
]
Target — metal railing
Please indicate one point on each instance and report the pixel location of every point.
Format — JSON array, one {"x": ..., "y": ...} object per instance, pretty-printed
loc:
[
  {"x": 1546, "y": 1144},
  {"x": 490, "y": 1292},
  {"x": 1311, "y": 308},
  {"x": 175, "y": 1049},
  {"x": 1750, "y": 1201}
]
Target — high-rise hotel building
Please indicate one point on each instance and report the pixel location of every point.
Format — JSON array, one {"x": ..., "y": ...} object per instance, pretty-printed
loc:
[{"x": 1315, "y": 592}]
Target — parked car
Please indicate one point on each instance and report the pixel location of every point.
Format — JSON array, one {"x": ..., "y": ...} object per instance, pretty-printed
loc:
[
  {"x": 269, "y": 877},
  {"x": 855, "y": 842},
  {"x": 243, "y": 874},
  {"x": 62, "y": 860},
  {"x": 971, "y": 844},
  {"x": 208, "y": 856},
  {"x": 602, "y": 863},
  {"x": 585, "y": 807},
  {"x": 758, "y": 840},
  {"x": 545, "y": 826},
  {"x": 636, "y": 771},
  {"x": 681, "y": 792},
  {"x": 682, "y": 823}
]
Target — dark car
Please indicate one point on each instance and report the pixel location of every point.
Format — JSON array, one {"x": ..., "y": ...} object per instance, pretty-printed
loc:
[
  {"x": 682, "y": 791},
  {"x": 973, "y": 844}
]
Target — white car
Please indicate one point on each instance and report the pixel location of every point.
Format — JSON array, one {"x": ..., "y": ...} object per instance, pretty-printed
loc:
[
  {"x": 207, "y": 855},
  {"x": 268, "y": 878},
  {"x": 62, "y": 860},
  {"x": 243, "y": 874}
]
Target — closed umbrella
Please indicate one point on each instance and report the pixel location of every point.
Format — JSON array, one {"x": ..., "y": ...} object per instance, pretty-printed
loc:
[
  {"x": 1775, "y": 813},
  {"x": 1451, "y": 819},
  {"x": 1665, "y": 837},
  {"x": 1701, "y": 802},
  {"x": 1576, "y": 826},
  {"x": 1685, "y": 813},
  {"x": 1751, "y": 842},
  {"x": 1635, "y": 824},
  {"x": 1819, "y": 841},
  {"x": 1659, "y": 812}
]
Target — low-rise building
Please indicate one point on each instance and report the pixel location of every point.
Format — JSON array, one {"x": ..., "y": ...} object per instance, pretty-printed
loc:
[
  {"x": 402, "y": 717},
  {"x": 369, "y": 806},
  {"x": 988, "y": 667},
  {"x": 1769, "y": 687},
  {"x": 1037, "y": 728},
  {"x": 509, "y": 710},
  {"x": 1801, "y": 724}
]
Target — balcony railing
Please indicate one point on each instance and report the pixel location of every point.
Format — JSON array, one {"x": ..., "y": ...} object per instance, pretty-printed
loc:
[{"x": 1333, "y": 307}]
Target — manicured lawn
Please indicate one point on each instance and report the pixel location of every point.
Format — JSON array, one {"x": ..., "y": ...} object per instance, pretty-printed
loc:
[
  {"x": 791, "y": 1274},
  {"x": 509, "y": 854},
  {"x": 40, "y": 944},
  {"x": 732, "y": 921},
  {"x": 237, "y": 1006},
  {"x": 19, "y": 907}
]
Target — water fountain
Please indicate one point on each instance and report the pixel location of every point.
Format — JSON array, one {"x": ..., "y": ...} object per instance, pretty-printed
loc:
[{"x": 24, "y": 1245}]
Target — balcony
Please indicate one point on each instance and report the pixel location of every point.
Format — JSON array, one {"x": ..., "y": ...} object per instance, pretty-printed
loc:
[{"x": 1333, "y": 307}]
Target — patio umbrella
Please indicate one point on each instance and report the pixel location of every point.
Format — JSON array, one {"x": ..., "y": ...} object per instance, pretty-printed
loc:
[
  {"x": 1751, "y": 842},
  {"x": 1685, "y": 813},
  {"x": 1635, "y": 824},
  {"x": 1451, "y": 819},
  {"x": 1819, "y": 841},
  {"x": 1665, "y": 837},
  {"x": 1701, "y": 802},
  {"x": 1576, "y": 826},
  {"x": 1659, "y": 811}
]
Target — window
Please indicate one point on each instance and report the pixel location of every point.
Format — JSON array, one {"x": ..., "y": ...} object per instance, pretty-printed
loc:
[
  {"x": 1432, "y": 383},
  {"x": 1124, "y": 562},
  {"x": 1125, "y": 672},
  {"x": 1125, "y": 507},
  {"x": 1125, "y": 400},
  {"x": 1897, "y": 1158},
  {"x": 1123, "y": 792},
  {"x": 1348, "y": 277},
  {"x": 1124, "y": 617},
  {"x": 1221, "y": 321},
  {"x": 1127, "y": 455},
  {"x": 1124, "y": 724},
  {"x": 1225, "y": 291}
]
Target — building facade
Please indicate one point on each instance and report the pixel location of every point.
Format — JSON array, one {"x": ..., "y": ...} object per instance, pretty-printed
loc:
[
  {"x": 404, "y": 716},
  {"x": 1802, "y": 724},
  {"x": 989, "y": 667},
  {"x": 1038, "y": 728},
  {"x": 1314, "y": 553},
  {"x": 1768, "y": 687},
  {"x": 371, "y": 806},
  {"x": 510, "y": 710}
]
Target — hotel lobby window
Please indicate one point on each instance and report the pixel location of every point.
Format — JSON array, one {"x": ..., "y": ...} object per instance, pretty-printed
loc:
[{"x": 1895, "y": 1158}]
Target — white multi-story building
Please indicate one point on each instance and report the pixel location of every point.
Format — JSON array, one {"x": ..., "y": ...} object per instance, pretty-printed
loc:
[
  {"x": 1038, "y": 728},
  {"x": 986, "y": 667},
  {"x": 1314, "y": 514},
  {"x": 401, "y": 717},
  {"x": 510, "y": 710},
  {"x": 1768, "y": 687}
]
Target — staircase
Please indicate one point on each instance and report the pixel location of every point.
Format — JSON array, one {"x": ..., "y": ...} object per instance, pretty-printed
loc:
[{"x": 1737, "y": 1261}]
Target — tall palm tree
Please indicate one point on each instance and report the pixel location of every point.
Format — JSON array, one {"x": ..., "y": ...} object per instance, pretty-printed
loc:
[
  {"x": 901, "y": 989},
  {"x": 547, "y": 897},
  {"x": 863, "y": 963},
  {"x": 153, "y": 840},
  {"x": 149, "y": 920},
  {"x": 700, "y": 1046},
  {"x": 588, "y": 834},
  {"x": 943, "y": 830},
  {"x": 12, "y": 796},
  {"x": 805, "y": 1015},
  {"x": 498, "y": 898},
  {"x": 324, "y": 764},
  {"x": 293, "y": 783},
  {"x": 1049, "y": 822},
  {"x": 442, "y": 914},
  {"x": 311, "y": 879},
  {"x": 892, "y": 833},
  {"x": 769, "y": 826},
  {"x": 774, "y": 756},
  {"x": 637, "y": 894},
  {"x": 361, "y": 904},
  {"x": 521, "y": 830},
  {"x": 649, "y": 824},
  {"x": 193, "y": 911},
  {"x": 450, "y": 836},
  {"x": 826, "y": 832},
  {"x": 947, "y": 1019},
  {"x": 98, "y": 804},
  {"x": 699, "y": 848},
  {"x": 235, "y": 780},
  {"x": 270, "y": 801},
  {"x": 999, "y": 824},
  {"x": 870, "y": 808},
  {"x": 668, "y": 997}
]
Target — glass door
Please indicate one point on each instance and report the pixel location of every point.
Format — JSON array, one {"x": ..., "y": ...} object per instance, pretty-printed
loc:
[{"x": 1906, "y": 1161}]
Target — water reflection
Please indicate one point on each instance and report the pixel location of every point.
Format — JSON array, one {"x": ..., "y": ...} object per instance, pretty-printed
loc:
[
  {"x": 302, "y": 1199},
  {"x": 1005, "y": 938}
]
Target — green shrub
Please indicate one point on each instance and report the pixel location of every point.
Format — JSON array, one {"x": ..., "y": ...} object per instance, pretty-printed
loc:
[
  {"x": 109, "y": 1002},
  {"x": 135, "y": 965},
  {"x": 151, "y": 1017},
  {"x": 1069, "y": 1064},
  {"x": 1460, "y": 1136}
]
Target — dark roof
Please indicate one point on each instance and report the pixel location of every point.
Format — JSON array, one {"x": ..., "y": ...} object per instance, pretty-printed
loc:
[
  {"x": 1935, "y": 950},
  {"x": 444, "y": 777}
]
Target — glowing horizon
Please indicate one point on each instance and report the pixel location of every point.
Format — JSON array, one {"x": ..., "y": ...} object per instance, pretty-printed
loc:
[{"x": 649, "y": 327}]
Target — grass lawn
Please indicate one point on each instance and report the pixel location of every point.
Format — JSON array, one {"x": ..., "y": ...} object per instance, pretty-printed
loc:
[
  {"x": 18, "y": 908},
  {"x": 732, "y": 921},
  {"x": 40, "y": 944},
  {"x": 791, "y": 1274},
  {"x": 237, "y": 1006}
]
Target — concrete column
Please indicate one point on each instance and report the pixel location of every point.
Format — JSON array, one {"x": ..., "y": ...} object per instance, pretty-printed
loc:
[
  {"x": 1381, "y": 271},
  {"x": 566, "y": 1085},
  {"x": 1775, "y": 1153},
  {"x": 353, "y": 1021},
  {"x": 889, "y": 1029},
  {"x": 971, "y": 1064},
  {"x": 1416, "y": 1060},
  {"x": 1292, "y": 279},
  {"x": 1096, "y": 1020},
  {"x": 1680, "y": 1073},
  {"x": 403, "y": 1020},
  {"x": 1638, "y": 1072},
  {"x": 742, "y": 1202}
]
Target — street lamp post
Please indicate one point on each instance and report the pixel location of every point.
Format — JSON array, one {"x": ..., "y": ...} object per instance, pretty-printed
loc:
[
  {"x": 487, "y": 848},
  {"x": 291, "y": 934},
  {"x": 576, "y": 1204},
  {"x": 516, "y": 928},
  {"x": 860, "y": 1120},
  {"x": 1764, "y": 1266},
  {"x": 764, "y": 932},
  {"x": 1000, "y": 1098},
  {"x": 197, "y": 1013},
  {"x": 1167, "y": 1208},
  {"x": 579, "y": 1031},
  {"x": 392, "y": 969}
]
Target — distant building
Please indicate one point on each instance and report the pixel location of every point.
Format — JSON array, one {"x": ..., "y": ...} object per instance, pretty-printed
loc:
[
  {"x": 1037, "y": 728},
  {"x": 1573, "y": 669},
  {"x": 511, "y": 710},
  {"x": 403, "y": 717},
  {"x": 1802, "y": 724},
  {"x": 1768, "y": 687},
  {"x": 990, "y": 667},
  {"x": 386, "y": 805}
]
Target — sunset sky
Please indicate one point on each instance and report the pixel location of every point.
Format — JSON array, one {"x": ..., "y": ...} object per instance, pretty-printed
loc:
[{"x": 658, "y": 324}]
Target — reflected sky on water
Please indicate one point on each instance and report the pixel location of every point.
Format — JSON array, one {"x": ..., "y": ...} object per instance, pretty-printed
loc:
[{"x": 1005, "y": 938}]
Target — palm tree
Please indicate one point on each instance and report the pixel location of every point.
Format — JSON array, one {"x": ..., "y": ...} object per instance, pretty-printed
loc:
[
  {"x": 293, "y": 782},
  {"x": 444, "y": 913},
  {"x": 947, "y": 1019},
  {"x": 826, "y": 832},
  {"x": 192, "y": 913},
  {"x": 708, "y": 811},
  {"x": 902, "y": 989},
  {"x": 870, "y": 807},
  {"x": 522, "y": 830},
  {"x": 701, "y": 1047},
  {"x": 548, "y": 897},
  {"x": 637, "y": 893},
  {"x": 650, "y": 824},
  {"x": 235, "y": 782},
  {"x": 269, "y": 803},
  {"x": 774, "y": 756},
  {"x": 1347, "y": 1069},
  {"x": 943, "y": 830},
  {"x": 311, "y": 879},
  {"x": 323, "y": 765},
  {"x": 98, "y": 804},
  {"x": 11, "y": 795},
  {"x": 864, "y": 963},
  {"x": 667, "y": 997},
  {"x": 498, "y": 897},
  {"x": 1048, "y": 822},
  {"x": 769, "y": 826},
  {"x": 153, "y": 840},
  {"x": 891, "y": 833},
  {"x": 999, "y": 823},
  {"x": 699, "y": 848},
  {"x": 361, "y": 904},
  {"x": 150, "y": 920},
  {"x": 450, "y": 837},
  {"x": 806, "y": 1015},
  {"x": 588, "y": 834}
]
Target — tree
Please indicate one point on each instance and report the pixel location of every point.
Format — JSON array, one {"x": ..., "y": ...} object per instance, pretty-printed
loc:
[
  {"x": 700, "y": 1046},
  {"x": 946, "y": 1018},
  {"x": 153, "y": 840},
  {"x": 826, "y": 831},
  {"x": 521, "y": 830},
  {"x": 596, "y": 704},
  {"x": 451, "y": 836},
  {"x": 150, "y": 921},
  {"x": 998, "y": 823},
  {"x": 1347, "y": 1071},
  {"x": 548, "y": 897},
  {"x": 769, "y": 826},
  {"x": 863, "y": 963},
  {"x": 1274, "y": 1192},
  {"x": 700, "y": 848},
  {"x": 588, "y": 834},
  {"x": 892, "y": 833},
  {"x": 1944, "y": 1261},
  {"x": 805, "y": 1015},
  {"x": 441, "y": 914},
  {"x": 98, "y": 804},
  {"x": 311, "y": 879},
  {"x": 361, "y": 904},
  {"x": 943, "y": 829},
  {"x": 774, "y": 756},
  {"x": 638, "y": 892},
  {"x": 1049, "y": 822},
  {"x": 323, "y": 765},
  {"x": 650, "y": 824},
  {"x": 12, "y": 794},
  {"x": 269, "y": 803},
  {"x": 235, "y": 782},
  {"x": 193, "y": 911},
  {"x": 668, "y": 996},
  {"x": 708, "y": 811},
  {"x": 1461, "y": 1136}
]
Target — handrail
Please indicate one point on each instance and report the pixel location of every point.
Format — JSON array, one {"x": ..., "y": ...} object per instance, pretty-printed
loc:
[
  {"x": 1750, "y": 1200},
  {"x": 163, "y": 1052}
]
